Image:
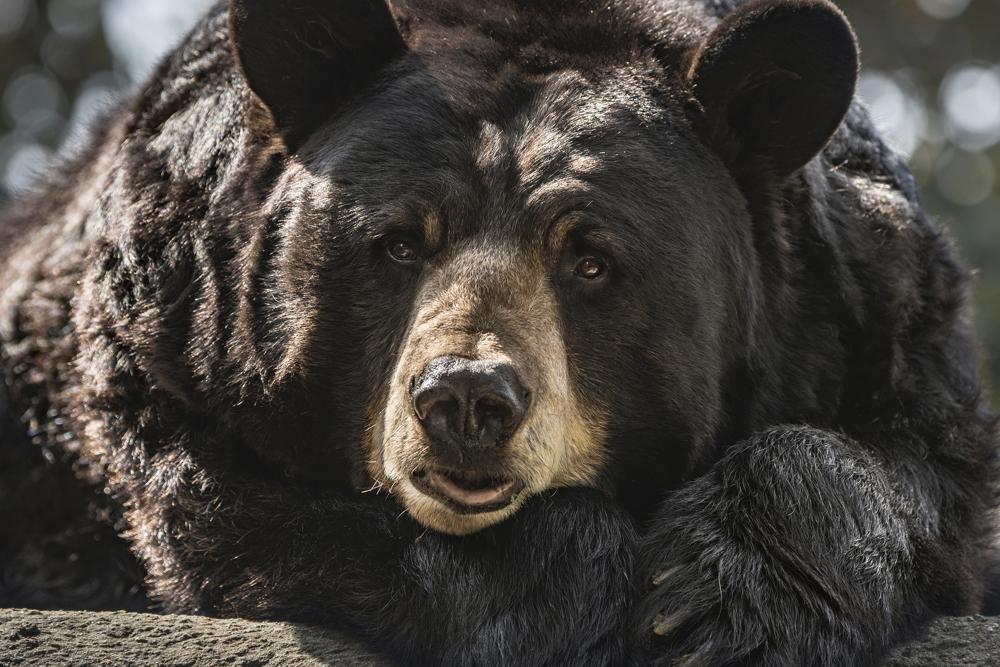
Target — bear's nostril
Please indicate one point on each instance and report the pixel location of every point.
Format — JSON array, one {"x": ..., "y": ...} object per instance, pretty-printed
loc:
[
  {"x": 490, "y": 416},
  {"x": 438, "y": 408}
]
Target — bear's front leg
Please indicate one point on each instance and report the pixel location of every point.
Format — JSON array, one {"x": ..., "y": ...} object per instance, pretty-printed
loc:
[{"x": 801, "y": 547}]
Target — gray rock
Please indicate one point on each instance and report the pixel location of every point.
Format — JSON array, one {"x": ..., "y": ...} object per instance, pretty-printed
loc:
[
  {"x": 971, "y": 640},
  {"x": 70, "y": 639},
  {"x": 59, "y": 639}
]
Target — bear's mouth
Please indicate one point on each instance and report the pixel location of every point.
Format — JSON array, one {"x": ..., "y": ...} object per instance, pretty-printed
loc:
[{"x": 467, "y": 491}]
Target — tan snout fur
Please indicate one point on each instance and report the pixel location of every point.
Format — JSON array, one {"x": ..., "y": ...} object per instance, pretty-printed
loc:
[{"x": 488, "y": 303}]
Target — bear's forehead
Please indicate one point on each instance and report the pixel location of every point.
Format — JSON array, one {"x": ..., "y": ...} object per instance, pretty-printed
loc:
[
  {"x": 507, "y": 113},
  {"x": 521, "y": 148}
]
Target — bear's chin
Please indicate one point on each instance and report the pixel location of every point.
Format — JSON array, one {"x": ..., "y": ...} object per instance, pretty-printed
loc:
[{"x": 435, "y": 515}]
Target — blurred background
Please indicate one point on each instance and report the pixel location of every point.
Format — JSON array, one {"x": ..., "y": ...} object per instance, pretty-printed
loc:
[{"x": 931, "y": 79}]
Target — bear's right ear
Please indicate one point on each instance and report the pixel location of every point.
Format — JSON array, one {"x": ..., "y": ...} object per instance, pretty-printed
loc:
[
  {"x": 302, "y": 58},
  {"x": 775, "y": 79}
]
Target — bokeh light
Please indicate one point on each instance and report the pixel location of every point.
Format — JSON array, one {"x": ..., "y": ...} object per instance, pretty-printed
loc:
[
  {"x": 13, "y": 15},
  {"x": 896, "y": 109},
  {"x": 74, "y": 18},
  {"x": 970, "y": 95},
  {"x": 139, "y": 33},
  {"x": 34, "y": 101},
  {"x": 24, "y": 162},
  {"x": 965, "y": 178},
  {"x": 943, "y": 9}
]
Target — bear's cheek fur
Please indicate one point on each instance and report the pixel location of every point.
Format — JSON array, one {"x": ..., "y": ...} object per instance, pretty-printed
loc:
[{"x": 492, "y": 304}]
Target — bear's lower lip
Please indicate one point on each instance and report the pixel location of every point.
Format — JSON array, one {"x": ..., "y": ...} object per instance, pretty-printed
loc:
[{"x": 467, "y": 491}]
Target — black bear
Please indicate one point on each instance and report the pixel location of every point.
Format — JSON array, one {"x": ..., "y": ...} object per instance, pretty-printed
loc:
[{"x": 564, "y": 332}]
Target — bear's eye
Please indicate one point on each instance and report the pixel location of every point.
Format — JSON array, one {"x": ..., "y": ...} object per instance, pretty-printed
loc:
[
  {"x": 403, "y": 248},
  {"x": 591, "y": 267}
]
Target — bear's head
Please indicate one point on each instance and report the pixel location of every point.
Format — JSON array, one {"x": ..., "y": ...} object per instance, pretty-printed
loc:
[{"x": 509, "y": 246}]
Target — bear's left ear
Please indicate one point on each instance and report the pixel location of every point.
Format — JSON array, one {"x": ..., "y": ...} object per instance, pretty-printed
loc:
[
  {"x": 775, "y": 79},
  {"x": 304, "y": 57}
]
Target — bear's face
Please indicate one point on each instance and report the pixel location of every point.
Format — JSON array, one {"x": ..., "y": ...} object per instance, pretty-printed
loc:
[
  {"x": 542, "y": 260},
  {"x": 502, "y": 258}
]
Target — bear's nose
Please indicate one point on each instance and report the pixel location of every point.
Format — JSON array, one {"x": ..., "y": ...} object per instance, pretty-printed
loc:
[{"x": 468, "y": 403}]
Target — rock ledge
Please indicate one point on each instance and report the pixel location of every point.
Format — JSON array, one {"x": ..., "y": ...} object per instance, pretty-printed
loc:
[{"x": 74, "y": 639}]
